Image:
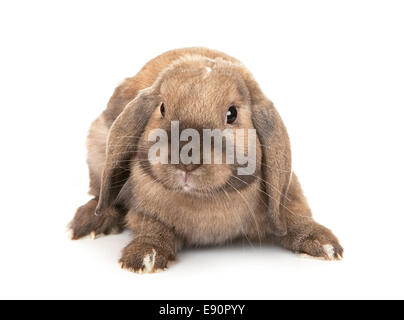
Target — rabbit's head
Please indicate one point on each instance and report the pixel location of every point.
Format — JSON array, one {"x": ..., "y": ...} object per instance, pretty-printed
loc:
[{"x": 203, "y": 127}]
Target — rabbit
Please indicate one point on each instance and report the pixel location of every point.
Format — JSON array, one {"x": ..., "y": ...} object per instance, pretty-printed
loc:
[{"x": 171, "y": 206}]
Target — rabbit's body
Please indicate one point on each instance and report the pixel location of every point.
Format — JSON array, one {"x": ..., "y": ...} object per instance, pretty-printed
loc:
[{"x": 220, "y": 206}]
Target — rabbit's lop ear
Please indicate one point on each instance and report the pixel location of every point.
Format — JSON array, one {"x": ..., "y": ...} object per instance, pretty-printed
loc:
[
  {"x": 276, "y": 159},
  {"x": 121, "y": 147}
]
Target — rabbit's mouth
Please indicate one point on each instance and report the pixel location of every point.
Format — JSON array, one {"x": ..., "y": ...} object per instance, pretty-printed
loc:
[
  {"x": 187, "y": 181},
  {"x": 197, "y": 182},
  {"x": 195, "y": 179}
]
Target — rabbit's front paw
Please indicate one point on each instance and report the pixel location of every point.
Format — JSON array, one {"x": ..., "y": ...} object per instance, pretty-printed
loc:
[
  {"x": 85, "y": 222},
  {"x": 323, "y": 244},
  {"x": 142, "y": 257}
]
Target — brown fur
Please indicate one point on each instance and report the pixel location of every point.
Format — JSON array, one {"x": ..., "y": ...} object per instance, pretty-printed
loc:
[{"x": 222, "y": 206}]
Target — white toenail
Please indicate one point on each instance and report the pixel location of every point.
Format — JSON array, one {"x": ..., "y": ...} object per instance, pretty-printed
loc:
[
  {"x": 149, "y": 261},
  {"x": 329, "y": 250}
]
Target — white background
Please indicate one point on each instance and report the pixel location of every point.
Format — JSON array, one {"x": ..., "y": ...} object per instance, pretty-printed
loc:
[{"x": 335, "y": 70}]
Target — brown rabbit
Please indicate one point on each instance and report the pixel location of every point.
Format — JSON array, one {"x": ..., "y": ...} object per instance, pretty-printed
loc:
[{"x": 168, "y": 206}]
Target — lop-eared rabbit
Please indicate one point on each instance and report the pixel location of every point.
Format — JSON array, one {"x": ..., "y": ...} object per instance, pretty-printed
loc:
[{"x": 172, "y": 205}]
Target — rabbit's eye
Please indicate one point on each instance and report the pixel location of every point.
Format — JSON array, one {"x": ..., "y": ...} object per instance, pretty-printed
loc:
[
  {"x": 231, "y": 114},
  {"x": 162, "y": 110}
]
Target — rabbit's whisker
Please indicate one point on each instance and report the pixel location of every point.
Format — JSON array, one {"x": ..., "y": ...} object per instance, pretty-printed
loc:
[
  {"x": 262, "y": 191},
  {"x": 249, "y": 210}
]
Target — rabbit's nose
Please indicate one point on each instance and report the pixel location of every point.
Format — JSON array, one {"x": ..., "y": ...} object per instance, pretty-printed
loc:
[{"x": 188, "y": 167}]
